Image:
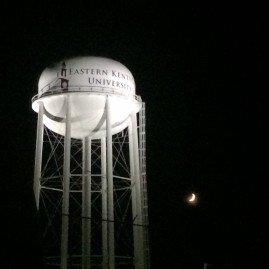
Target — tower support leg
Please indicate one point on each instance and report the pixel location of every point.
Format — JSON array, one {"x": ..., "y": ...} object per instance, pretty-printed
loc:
[
  {"x": 104, "y": 204},
  {"x": 66, "y": 186},
  {"x": 86, "y": 204},
  {"x": 136, "y": 194},
  {"x": 133, "y": 194},
  {"x": 110, "y": 199},
  {"x": 38, "y": 153}
]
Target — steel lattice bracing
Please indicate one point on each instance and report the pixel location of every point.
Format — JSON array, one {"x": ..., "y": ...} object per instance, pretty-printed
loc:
[{"x": 64, "y": 196}]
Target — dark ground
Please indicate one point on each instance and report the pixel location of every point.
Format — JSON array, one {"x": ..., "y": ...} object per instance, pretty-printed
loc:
[{"x": 202, "y": 74}]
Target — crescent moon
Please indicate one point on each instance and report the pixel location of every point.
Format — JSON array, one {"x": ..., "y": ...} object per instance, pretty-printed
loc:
[{"x": 192, "y": 197}]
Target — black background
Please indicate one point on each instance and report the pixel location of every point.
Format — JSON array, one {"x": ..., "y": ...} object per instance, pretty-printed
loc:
[{"x": 201, "y": 72}]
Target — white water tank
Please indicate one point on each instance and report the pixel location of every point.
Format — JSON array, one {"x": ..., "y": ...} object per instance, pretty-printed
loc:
[{"x": 87, "y": 81}]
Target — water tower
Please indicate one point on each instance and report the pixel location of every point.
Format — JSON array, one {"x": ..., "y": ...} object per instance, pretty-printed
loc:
[{"x": 90, "y": 166}]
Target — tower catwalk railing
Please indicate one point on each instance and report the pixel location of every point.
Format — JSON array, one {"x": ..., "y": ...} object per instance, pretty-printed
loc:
[
  {"x": 144, "y": 196},
  {"x": 52, "y": 89}
]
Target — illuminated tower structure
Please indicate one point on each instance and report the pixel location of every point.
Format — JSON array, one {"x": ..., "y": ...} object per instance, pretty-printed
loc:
[{"x": 90, "y": 166}]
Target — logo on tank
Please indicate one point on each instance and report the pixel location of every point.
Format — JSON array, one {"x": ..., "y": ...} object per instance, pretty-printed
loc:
[{"x": 97, "y": 77}]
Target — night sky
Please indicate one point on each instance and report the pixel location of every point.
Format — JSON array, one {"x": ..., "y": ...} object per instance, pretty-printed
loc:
[{"x": 201, "y": 72}]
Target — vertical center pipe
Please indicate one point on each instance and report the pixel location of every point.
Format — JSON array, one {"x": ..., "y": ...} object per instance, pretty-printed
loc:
[
  {"x": 110, "y": 199},
  {"x": 66, "y": 186},
  {"x": 86, "y": 204},
  {"x": 104, "y": 204},
  {"x": 38, "y": 153}
]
